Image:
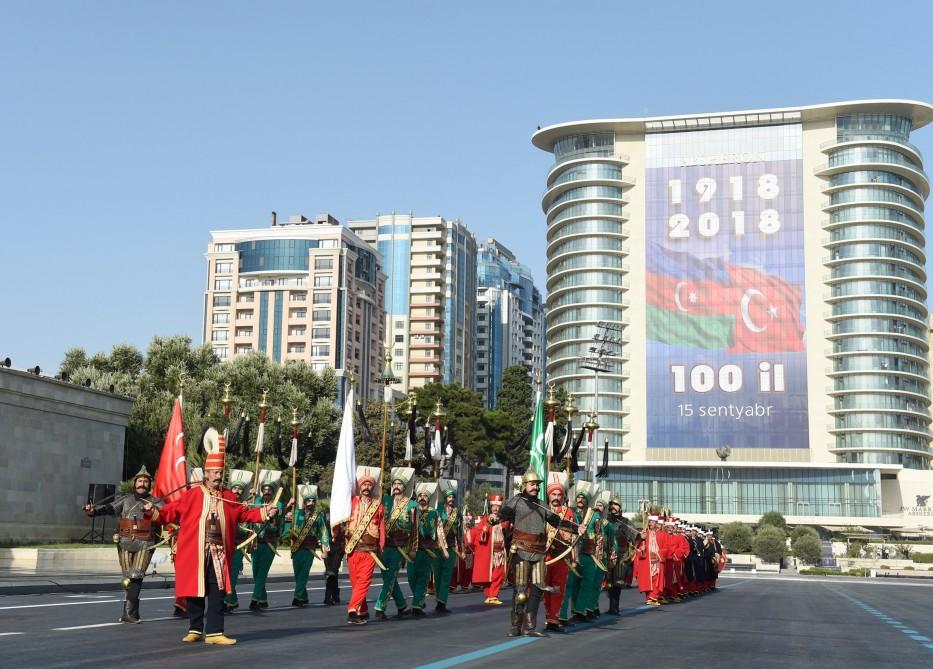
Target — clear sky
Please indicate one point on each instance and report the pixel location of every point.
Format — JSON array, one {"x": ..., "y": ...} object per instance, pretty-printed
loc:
[{"x": 128, "y": 130}]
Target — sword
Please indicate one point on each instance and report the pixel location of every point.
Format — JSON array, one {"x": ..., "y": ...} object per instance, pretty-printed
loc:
[
  {"x": 378, "y": 561},
  {"x": 404, "y": 555},
  {"x": 599, "y": 564},
  {"x": 572, "y": 568}
]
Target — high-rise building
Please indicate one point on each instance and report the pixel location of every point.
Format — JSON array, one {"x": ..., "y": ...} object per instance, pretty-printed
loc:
[
  {"x": 430, "y": 302},
  {"x": 298, "y": 290},
  {"x": 509, "y": 319},
  {"x": 771, "y": 349}
]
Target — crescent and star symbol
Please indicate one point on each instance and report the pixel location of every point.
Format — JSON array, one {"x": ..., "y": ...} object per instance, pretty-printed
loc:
[
  {"x": 746, "y": 317},
  {"x": 691, "y": 298}
]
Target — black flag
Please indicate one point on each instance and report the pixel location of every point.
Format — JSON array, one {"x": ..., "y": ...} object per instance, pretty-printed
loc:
[
  {"x": 574, "y": 467},
  {"x": 604, "y": 470}
]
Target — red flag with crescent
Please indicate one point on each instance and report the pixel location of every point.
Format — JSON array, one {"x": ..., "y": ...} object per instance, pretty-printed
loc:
[
  {"x": 173, "y": 468},
  {"x": 767, "y": 312}
]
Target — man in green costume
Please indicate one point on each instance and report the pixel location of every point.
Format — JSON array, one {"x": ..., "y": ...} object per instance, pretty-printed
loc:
[
  {"x": 575, "y": 596},
  {"x": 308, "y": 533},
  {"x": 432, "y": 544},
  {"x": 239, "y": 484},
  {"x": 604, "y": 545},
  {"x": 401, "y": 540},
  {"x": 267, "y": 538},
  {"x": 452, "y": 524}
]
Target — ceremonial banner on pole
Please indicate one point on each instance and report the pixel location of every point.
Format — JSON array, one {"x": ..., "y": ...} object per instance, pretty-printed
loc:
[
  {"x": 538, "y": 453},
  {"x": 344, "y": 468},
  {"x": 173, "y": 469}
]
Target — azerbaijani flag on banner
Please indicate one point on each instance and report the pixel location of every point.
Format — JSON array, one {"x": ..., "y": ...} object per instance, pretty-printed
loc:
[
  {"x": 710, "y": 304},
  {"x": 538, "y": 457}
]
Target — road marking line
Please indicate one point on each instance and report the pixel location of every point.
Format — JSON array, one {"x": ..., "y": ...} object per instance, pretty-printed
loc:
[
  {"x": 83, "y": 627},
  {"x": 10, "y": 633},
  {"x": 515, "y": 643},
  {"x": 901, "y": 627}
]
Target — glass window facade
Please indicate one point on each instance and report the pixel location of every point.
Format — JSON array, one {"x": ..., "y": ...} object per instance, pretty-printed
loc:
[
  {"x": 275, "y": 254},
  {"x": 751, "y": 491}
]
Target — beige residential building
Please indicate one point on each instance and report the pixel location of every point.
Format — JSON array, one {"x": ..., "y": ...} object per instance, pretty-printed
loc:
[
  {"x": 431, "y": 300},
  {"x": 300, "y": 289}
]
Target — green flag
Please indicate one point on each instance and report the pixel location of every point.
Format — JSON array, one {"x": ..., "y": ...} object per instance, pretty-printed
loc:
[
  {"x": 538, "y": 459},
  {"x": 709, "y": 332}
]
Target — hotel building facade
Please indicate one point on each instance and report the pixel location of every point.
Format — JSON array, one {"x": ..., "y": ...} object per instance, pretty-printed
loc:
[
  {"x": 766, "y": 270},
  {"x": 300, "y": 289}
]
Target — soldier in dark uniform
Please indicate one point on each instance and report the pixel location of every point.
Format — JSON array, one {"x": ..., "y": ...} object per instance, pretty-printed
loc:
[
  {"x": 618, "y": 527},
  {"x": 529, "y": 520},
  {"x": 137, "y": 536},
  {"x": 332, "y": 564}
]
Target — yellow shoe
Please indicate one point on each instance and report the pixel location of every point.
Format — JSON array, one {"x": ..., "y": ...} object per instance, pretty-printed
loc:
[
  {"x": 495, "y": 601},
  {"x": 191, "y": 637},
  {"x": 219, "y": 640}
]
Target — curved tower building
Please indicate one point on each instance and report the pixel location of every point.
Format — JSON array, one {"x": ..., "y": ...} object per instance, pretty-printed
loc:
[{"x": 741, "y": 297}]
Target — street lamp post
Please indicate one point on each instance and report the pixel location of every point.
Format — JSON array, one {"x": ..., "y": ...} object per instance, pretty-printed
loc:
[{"x": 598, "y": 359}]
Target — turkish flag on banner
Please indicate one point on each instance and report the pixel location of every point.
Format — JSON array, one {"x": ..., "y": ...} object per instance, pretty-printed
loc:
[
  {"x": 767, "y": 316},
  {"x": 173, "y": 468}
]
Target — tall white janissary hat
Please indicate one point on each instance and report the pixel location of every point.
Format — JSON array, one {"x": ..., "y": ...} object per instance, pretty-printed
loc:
[
  {"x": 406, "y": 475},
  {"x": 371, "y": 474},
  {"x": 269, "y": 477},
  {"x": 429, "y": 489},
  {"x": 588, "y": 489},
  {"x": 447, "y": 488},
  {"x": 307, "y": 491},
  {"x": 240, "y": 478}
]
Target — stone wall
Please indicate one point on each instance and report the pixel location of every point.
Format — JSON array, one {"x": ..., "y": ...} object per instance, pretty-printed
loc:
[{"x": 56, "y": 438}]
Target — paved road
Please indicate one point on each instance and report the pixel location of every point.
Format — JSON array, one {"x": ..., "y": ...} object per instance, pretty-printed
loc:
[{"x": 760, "y": 622}]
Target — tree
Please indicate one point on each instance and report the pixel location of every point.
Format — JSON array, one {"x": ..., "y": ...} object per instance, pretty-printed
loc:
[
  {"x": 737, "y": 537},
  {"x": 464, "y": 418},
  {"x": 807, "y": 547},
  {"x": 769, "y": 543},
  {"x": 802, "y": 530},
  {"x": 773, "y": 519},
  {"x": 514, "y": 396}
]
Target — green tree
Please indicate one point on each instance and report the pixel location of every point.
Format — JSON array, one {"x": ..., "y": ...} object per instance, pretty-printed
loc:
[
  {"x": 854, "y": 548},
  {"x": 774, "y": 519},
  {"x": 464, "y": 417},
  {"x": 515, "y": 394},
  {"x": 807, "y": 548},
  {"x": 769, "y": 543},
  {"x": 802, "y": 530},
  {"x": 737, "y": 537}
]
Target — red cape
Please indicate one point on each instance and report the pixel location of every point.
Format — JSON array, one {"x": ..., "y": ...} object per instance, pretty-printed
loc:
[
  {"x": 482, "y": 550},
  {"x": 190, "y": 512}
]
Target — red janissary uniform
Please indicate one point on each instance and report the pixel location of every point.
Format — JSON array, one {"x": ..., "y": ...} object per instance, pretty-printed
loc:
[
  {"x": 649, "y": 564},
  {"x": 464, "y": 570},
  {"x": 191, "y": 512},
  {"x": 679, "y": 550},
  {"x": 556, "y": 575},
  {"x": 489, "y": 555},
  {"x": 360, "y": 561}
]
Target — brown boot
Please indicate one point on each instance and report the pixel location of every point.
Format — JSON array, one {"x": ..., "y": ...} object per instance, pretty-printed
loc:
[
  {"x": 531, "y": 623},
  {"x": 516, "y": 624}
]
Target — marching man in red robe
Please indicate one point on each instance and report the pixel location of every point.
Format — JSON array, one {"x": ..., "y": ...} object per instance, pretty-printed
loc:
[
  {"x": 649, "y": 562},
  {"x": 490, "y": 552},
  {"x": 366, "y": 535},
  {"x": 208, "y": 517}
]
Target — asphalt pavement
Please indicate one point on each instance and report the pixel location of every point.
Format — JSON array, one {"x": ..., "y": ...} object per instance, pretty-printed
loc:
[{"x": 748, "y": 622}]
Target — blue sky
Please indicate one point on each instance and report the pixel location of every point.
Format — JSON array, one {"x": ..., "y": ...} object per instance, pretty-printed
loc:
[{"x": 132, "y": 129}]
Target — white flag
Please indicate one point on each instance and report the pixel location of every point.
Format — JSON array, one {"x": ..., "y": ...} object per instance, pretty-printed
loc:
[
  {"x": 437, "y": 448},
  {"x": 341, "y": 494},
  {"x": 293, "y": 457},
  {"x": 408, "y": 445},
  {"x": 260, "y": 434}
]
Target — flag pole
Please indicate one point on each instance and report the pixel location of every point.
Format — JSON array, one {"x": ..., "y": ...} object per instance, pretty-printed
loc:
[
  {"x": 259, "y": 437},
  {"x": 551, "y": 404},
  {"x": 388, "y": 378},
  {"x": 293, "y": 456}
]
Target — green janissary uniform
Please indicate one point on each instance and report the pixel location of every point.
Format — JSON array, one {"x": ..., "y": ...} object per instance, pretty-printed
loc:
[
  {"x": 590, "y": 548},
  {"x": 575, "y": 594},
  {"x": 309, "y": 532},
  {"x": 605, "y": 545},
  {"x": 400, "y": 538},
  {"x": 239, "y": 483},
  {"x": 452, "y": 524},
  {"x": 431, "y": 544},
  {"x": 267, "y": 539}
]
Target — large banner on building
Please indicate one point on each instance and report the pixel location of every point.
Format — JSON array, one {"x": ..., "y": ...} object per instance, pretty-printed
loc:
[{"x": 725, "y": 289}]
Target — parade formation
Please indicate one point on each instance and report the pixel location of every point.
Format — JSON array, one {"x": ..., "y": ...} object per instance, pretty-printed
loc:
[{"x": 564, "y": 544}]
